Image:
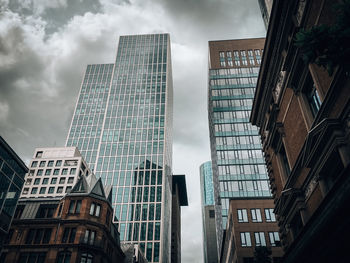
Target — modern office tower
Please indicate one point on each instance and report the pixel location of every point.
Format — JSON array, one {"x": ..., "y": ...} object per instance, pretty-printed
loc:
[
  {"x": 179, "y": 198},
  {"x": 12, "y": 170},
  {"x": 238, "y": 165},
  {"x": 53, "y": 172},
  {"x": 210, "y": 251},
  {"x": 122, "y": 124},
  {"x": 303, "y": 112},
  {"x": 265, "y": 8}
]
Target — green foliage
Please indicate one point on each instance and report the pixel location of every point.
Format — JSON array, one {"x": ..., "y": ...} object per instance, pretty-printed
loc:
[
  {"x": 328, "y": 45},
  {"x": 262, "y": 255}
]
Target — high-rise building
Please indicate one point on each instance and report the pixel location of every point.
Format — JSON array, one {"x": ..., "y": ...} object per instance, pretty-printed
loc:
[
  {"x": 122, "y": 125},
  {"x": 238, "y": 166},
  {"x": 210, "y": 251},
  {"x": 12, "y": 171},
  {"x": 265, "y": 8},
  {"x": 54, "y": 171}
]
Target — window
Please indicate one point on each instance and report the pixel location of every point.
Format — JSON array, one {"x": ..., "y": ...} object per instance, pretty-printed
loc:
[
  {"x": 74, "y": 207},
  {"x": 69, "y": 235},
  {"x": 42, "y": 190},
  {"x": 86, "y": 258},
  {"x": 245, "y": 239},
  {"x": 31, "y": 172},
  {"x": 256, "y": 215},
  {"x": 89, "y": 237},
  {"x": 39, "y": 172},
  {"x": 68, "y": 188},
  {"x": 45, "y": 181},
  {"x": 34, "y": 190},
  {"x": 50, "y": 163},
  {"x": 54, "y": 180},
  {"x": 211, "y": 214},
  {"x": 270, "y": 215},
  {"x": 95, "y": 209},
  {"x": 64, "y": 171},
  {"x": 39, "y": 154},
  {"x": 70, "y": 180},
  {"x": 19, "y": 211},
  {"x": 260, "y": 239},
  {"x": 62, "y": 180},
  {"x": 56, "y": 172},
  {"x": 38, "y": 236},
  {"x": 72, "y": 171},
  {"x": 32, "y": 257},
  {"x": 48, "y": 172},
  {"x": 64, "y": 257},
  {"x": 51, "y": 190},
  {"x": 284, "y": 161},
  {"x": 60, "y": 190},
  {"x": 58, "y": 162},
  {"x": 70, "y": 162},
  {"x": 46, "y": 211},
  {"x": 34, "y": 164},
  {"x": 42, "y": 164},
  {"x": 274, "y": 239},
  {"x": 242, "y": 215},
  {"x": 25, "y": 190},
  {"x": 312, "y": 96},
  {"x": 29, "y": 181}
]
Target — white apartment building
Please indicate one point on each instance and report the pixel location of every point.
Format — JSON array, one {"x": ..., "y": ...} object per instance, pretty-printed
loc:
[{"x": 54, "y": 171}]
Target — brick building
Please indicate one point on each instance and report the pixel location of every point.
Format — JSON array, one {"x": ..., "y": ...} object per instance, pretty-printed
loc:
[
  {"x": 76, "y": 228},
  {"x": 303, "y": 114}
]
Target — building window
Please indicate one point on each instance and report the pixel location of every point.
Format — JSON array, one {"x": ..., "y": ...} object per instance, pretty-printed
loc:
[
  {"x": 48, "y": 172},
  {"x": 245, "y": 239},
  {"x": 211, "y": 214},
  {"x": 31, "y": 172},
  {"x": 74, "y": 207},
  {"x": 54, "y": 180},
  {"x": 274, "y": 239},
  {"x": 242, "y": 215},
  {"x": 62, "y": 180},
  {"x": 69, "y": 235},
  {"x": 39, "y": 172},
  {"x": 256, "y": 215},
  {"x": 39, "y": 154},
  {"x": 34, "y": 164},
  {"x": 89, "y": 237},
  {"x": 86, "y": 258},
  {"x": 60, "y": 190},
  {"x": 42, "y": 163},
  {"x": 284, "y": 161},
  {"x": 70, "y": 180},
  {"x": 19, "y": 211},
  {"x": 42, "y": 190},
  {"x": 50, "y": 163},
  {"x": 270, "y": 215},
  {"x": 25, "y": 190},
  {"x": 29, "y": 181},
  {"x": 45, "y": 181},
  {"x": 46, "y": 211},
  {"x": 95, "y": 209},
  {"x": 313, "y": 99},
  {"x": 58, "y": 162},
  {"x": 64, "y": 171},
  {"x": 68, "y": 188},
  {"x": 34, "y": 190},
  {"x": 64, "y": 257},
  {"x": 32, "y": 257},
  {"x": 51, "y": 190},
  {"x": 72, "y": 171},
  {"x": 38, "y": 236},
  {"x": 56, "y": 172},
  {"x": 260, "y": 239}
]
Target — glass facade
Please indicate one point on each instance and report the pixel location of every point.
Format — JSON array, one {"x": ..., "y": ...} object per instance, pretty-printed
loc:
[
  {"x": 206, "y": 181},
  {"x": 12, "y": 171},
  {"x": 123, "y": 127},
  {"x": 238, "y": 164}
]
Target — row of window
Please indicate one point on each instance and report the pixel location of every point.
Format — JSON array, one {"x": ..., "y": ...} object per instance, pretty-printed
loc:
[
  {"x": 62, "y": 257},
  {"x": 255, "y": 213},
  {"x": 140, "y": 231},
  {"x": 233, "y": 103},
  {"x": 232, "y": 92},
  {"x": 46, "y": 181},
  {"x": 228, "y": 187},
  {"x": 260, "y": 239},
  {"x": 246, "y": 82},
  {"x": 233, "y": 71},
  {"x": 51, "y": 162},
  {"x": 64, "y": 171},
  {"x": 239, "y": 154},
  {"x": 237, "y": 140},
  {"x": 228, "y": 127},
  {"x": 242, "y": 169},
  {"x": 137, "y": 212},
  {"x": 50, "y": 190}
]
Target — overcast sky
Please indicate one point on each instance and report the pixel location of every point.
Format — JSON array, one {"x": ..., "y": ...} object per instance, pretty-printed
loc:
[{"x": 45, "y": 46}]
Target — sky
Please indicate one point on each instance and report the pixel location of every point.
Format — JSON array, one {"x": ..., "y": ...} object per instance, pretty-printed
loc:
[{"x": 46, "y": 45}]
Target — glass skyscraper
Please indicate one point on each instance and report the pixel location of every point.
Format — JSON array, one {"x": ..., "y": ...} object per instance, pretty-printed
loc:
[
  {"x": 238, "y": 165},
  {"x": 122, "y": 125}
]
